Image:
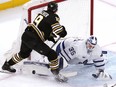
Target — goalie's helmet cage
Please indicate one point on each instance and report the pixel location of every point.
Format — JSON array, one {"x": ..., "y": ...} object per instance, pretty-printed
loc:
[
  {"x": 52, "y": 6},
  {"x": 92, "y": 40}
]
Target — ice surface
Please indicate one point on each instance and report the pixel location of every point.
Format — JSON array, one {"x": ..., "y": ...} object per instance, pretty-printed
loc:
[{"x": 104, "y": 29}]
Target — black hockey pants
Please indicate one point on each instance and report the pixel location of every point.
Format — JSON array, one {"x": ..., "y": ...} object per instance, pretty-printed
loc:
[{"x": 31, "y": 41}]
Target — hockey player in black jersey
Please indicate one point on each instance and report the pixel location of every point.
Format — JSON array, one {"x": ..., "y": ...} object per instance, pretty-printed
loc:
[{"x": 44, "y": 27}]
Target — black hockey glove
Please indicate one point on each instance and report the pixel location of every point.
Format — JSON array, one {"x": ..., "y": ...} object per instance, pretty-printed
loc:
[
  {"x": 63, "y": 33},
  {"x": 51, "y": 39}
]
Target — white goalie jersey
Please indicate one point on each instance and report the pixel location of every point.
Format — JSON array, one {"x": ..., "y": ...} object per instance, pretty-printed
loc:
[{"x": 74, "y": 50}]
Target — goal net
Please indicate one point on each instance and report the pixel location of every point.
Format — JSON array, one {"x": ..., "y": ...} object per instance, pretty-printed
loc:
[{"x": 75, "y": 15}]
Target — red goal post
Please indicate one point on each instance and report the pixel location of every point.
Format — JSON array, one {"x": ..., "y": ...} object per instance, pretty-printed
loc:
[{"x": 91, "y": 16}]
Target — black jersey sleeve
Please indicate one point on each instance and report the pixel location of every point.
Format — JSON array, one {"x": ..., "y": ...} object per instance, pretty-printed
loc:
[{"x": 57, "y": 27}]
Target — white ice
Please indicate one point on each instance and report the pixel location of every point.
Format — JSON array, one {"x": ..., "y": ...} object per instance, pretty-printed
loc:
[{"x": 104, "y": 29}]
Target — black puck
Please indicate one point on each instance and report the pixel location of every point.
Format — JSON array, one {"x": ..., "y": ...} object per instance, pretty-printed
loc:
[{"x": 33, "y": 71}]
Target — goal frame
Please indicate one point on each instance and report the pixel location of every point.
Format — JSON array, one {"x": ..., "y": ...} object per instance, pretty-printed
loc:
[{"x": 45, "y": 4}]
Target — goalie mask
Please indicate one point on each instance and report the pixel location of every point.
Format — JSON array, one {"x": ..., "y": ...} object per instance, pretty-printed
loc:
[{"x": 91, "y": 42}]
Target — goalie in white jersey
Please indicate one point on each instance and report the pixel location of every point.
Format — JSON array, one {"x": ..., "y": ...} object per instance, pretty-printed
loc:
[{"x": 74, "y": 50}]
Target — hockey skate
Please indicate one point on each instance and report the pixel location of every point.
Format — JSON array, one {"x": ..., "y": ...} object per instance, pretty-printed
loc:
[
  {"x": 59, "y": 77},
  {"x": 7, "y": 67}
]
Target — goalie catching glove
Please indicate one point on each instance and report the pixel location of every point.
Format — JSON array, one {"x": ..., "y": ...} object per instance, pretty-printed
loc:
[{"x": 101, "y": 75}]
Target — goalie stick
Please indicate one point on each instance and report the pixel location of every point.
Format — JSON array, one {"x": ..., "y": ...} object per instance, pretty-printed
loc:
[
  {"x": 36, "y": 63},
  {"x": 6, "y": 72},
  {"x": 47, "y": 65},
  {"x": 45, "y": 75},
  {"x": 26, "y": 21},
  {"x": 34, "y": 72},
  {"x": 56, "y": 42}
]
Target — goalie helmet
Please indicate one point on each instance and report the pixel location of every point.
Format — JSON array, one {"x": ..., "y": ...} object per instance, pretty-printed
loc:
[
  {"x": 52, "y": 6},
  {"x": 91, "y": 42}
]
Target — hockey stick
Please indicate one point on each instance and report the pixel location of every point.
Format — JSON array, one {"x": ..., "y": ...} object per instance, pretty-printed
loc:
[
  {"x": 55, "y": 42},
  {"x": 34, "y": 72},
  {"x": 26, "y": 21},
  {"x": 36, "y": 63}
]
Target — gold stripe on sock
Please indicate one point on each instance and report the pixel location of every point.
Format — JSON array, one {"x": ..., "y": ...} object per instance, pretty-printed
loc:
[
  {"x": 54, "y": 64},
  {"x": 16, "y": 58}
]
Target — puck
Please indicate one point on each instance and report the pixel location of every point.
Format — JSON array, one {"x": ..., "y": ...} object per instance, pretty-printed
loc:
[{"x": 33, "y": 71}]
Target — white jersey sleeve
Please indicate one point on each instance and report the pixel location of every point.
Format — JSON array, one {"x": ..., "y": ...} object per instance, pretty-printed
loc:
[
  {"x": 96, "y": 52},
  {"x": 98, "y": 58},
  {"x": 66, "y": 48},
  {"x": 81, "y": 51}
]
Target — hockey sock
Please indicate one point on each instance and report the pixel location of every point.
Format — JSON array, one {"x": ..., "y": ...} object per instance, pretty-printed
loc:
[{"x": 15, "y": 59}]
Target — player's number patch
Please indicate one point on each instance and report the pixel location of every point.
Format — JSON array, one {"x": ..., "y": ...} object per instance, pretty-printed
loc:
[
  {"x": 72, "y": 51},
  {"x": 38, "y": 19}
]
